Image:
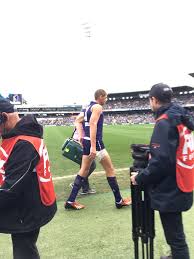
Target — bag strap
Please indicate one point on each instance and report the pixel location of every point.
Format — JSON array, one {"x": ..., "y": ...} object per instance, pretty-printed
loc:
[{"x": 73, "y": 133}]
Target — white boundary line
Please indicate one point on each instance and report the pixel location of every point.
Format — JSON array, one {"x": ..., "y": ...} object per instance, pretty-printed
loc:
[{"x": 94, "y": 173}]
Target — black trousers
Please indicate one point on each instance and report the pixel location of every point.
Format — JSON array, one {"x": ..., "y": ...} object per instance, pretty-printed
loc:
[
  {"x": 24, "y": 245},
  {"x": 174, "y": 233}
]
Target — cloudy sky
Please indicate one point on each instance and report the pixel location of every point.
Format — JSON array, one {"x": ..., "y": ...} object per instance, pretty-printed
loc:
[{"x": 61, "y": 51}]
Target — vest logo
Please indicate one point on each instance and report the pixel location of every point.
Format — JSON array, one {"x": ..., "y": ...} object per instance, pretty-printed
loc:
[
  {"x": 185, "y": 160},
  {"x": 2, "y": 162},
  {"x": 188, "y": 146},
  {"x": 42, "y": 169}
]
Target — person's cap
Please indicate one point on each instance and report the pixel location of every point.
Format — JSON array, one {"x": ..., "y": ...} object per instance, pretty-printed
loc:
[
  {"x": 5, "y": 105},
  {"x": 162, "y": 92}
]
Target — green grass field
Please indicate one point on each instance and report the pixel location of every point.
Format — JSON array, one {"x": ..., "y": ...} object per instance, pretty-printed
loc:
[{"x": 100, "y": 231}]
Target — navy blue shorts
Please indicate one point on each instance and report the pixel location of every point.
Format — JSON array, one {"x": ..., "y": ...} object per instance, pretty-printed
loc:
[{"x": 86, "y": 146}]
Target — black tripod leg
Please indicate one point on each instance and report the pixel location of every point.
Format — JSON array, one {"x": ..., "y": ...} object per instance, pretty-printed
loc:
[
  {"x": 151, "y": 249},
  {"x": 136, "y": 248},
  {"x": 135, "y": 221},
  {"x": 135, "y": 217},
  {"x": 147, "y": 251},
  {"x": 150, "y": 227},
  {"x": 143, "y": 252}
]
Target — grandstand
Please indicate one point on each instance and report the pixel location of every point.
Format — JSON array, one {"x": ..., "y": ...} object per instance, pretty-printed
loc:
[
  {"x": 121, "y": 108},
  {"x": 51, "y": 115},
  {"x": 134, "y": 108}
]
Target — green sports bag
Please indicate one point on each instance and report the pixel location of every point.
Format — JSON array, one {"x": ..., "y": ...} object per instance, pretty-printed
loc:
[{"x": 72, "y": 150}]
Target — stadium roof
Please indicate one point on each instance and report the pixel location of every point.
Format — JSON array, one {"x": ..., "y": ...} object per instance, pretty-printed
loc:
[
  {"x": 140, "y": 94},
  {"x": 182, "y": 88}
]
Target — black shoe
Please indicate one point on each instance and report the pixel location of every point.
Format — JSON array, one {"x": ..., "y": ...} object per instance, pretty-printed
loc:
[
  {"x": 85, "y": 191},
  {"x": 89, "y": 191},
  {"x": 166, "y": 257}
]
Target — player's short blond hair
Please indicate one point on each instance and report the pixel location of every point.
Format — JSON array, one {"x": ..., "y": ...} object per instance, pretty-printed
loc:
[{"x": 99, "y": 92}]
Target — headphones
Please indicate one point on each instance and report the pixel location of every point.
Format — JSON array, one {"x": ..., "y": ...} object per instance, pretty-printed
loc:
[{"x": 3, "y": 118}]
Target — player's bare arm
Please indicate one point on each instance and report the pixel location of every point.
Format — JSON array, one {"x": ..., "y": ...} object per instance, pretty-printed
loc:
[{"x": 79, "y": 126}]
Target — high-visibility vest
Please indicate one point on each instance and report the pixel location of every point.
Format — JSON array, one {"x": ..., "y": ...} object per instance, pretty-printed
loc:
[
  {"x": 42, "y": 169},
  {"x": 184, "y": 157}
]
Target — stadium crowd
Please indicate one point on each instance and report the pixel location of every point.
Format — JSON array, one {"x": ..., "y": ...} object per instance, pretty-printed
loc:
[
  {"x": 110, "y": 119},
  {"x": 67, "y": 121},
  {"x": 131, "y": 116},
  {"x": 127, "y": 104},
  {"x": 143, "y": 118},
  {"x": 140, "y": 104}
]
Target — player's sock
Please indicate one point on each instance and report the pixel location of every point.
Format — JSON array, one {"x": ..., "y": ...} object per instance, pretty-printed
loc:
[
  {"x": 85, "y": 184},
  {"x": 115, "y": 188},
  {"x": 76, "y": 187}
]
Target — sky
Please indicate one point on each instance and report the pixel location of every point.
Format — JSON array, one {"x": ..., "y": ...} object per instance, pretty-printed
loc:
[{"x": 61, "y": 51}]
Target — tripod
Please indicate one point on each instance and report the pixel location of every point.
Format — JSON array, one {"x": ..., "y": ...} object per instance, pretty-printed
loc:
[{"x": 142, "y": 214}]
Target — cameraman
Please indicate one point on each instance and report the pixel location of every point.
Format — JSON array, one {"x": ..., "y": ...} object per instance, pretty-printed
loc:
[{"x": 170, "y": 172}]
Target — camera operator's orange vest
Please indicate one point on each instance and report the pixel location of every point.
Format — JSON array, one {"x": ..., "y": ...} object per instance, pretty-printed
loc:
[
  {"x": 184, "y": 157},
  {"x": 46, "y": 187}
]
